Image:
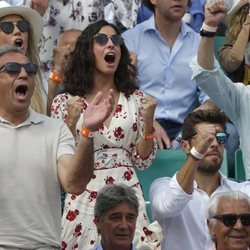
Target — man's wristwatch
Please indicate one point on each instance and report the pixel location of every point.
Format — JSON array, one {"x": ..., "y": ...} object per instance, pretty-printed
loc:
[{"x": 206, "y": 33}]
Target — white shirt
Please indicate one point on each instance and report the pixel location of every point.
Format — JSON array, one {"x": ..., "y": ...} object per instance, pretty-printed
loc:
[
  {"x": 182, "y": 216},
  {"x": 232, "y": 98}
]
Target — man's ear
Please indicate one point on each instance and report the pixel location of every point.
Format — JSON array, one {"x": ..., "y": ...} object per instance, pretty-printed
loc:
[
  {"x": 210, "y": 226},
  {"x": 97, "y": 222},
  {"x": 186, "y": 147}
]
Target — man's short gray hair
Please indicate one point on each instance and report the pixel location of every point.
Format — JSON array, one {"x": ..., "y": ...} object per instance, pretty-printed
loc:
[
  {"x": 212, "y": 205},
  {"x": 111, "y": 195},
  {"x": 9, "y": 48}
]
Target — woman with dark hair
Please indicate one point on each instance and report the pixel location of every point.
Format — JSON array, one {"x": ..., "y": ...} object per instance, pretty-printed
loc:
[{"x": 101, "y": 62}]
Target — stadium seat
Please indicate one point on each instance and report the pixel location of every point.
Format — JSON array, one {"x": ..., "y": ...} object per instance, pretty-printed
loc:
[{"x": 239, "y": 166}]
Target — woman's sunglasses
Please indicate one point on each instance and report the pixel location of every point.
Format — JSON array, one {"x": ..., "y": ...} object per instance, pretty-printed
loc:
[
  {"x": 14, "y": 68},
  {"x": 8, "y": 27},
  {"x": 221, "y": 137},
  {"x": 102, "y": 39},
  {"x": 229, "y": 220}
]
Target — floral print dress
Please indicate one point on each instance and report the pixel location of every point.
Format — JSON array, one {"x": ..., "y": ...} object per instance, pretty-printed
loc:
[
  {"x": 63, "y": 15},
  {"x": 116, "y": 157}
]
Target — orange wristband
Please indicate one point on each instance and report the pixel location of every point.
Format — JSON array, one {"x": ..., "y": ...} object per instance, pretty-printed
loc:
[
  {"x": 87, "y": 133},
  {"x": 55, "y": 77},
  {"x": 148, "y": 136}
]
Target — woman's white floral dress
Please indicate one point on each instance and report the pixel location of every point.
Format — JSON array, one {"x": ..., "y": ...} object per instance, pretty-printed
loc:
[
  {"x": 115, "y": 159},
  {"x": 63, "y": 15}
]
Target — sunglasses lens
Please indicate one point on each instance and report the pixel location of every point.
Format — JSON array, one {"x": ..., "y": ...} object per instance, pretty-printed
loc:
[
  {"x": 23, "y": 25},
  {"x": 30, "y": 68},
  {"x": 245, "y": 219},
  {"x": 221, "y": 137},
  {"x": 7, "y": 27},
  {"x": 13, "y": 68},
  {"x": 117, "y": 40},
  {"x": 229, "y": 220},
  {"x": 101, "y": 39}
]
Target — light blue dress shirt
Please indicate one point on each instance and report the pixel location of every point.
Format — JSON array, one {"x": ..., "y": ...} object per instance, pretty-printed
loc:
[{"x": 163, "y": 72}]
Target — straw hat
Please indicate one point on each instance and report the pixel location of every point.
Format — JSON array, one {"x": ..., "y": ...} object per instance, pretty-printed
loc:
[
  {"x": 35, "y": 19},
  {"x": 237, "y": 4}
]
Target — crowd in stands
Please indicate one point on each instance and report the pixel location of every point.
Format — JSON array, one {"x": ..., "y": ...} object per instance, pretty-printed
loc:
[{"x": 90, "y": 90}]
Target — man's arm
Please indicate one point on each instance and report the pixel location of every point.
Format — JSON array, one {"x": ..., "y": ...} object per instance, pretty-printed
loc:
[
  {"x": 214, "y": 13},
  {"x": 75, "y": 171},
  {"x": 185, "y": 176}
]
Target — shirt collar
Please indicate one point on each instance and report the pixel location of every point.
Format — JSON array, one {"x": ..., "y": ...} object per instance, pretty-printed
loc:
[
  {"x": 223, "y": 180},
  {"x": 33, "y": 117},
  {"x": 150, "y": 25}
]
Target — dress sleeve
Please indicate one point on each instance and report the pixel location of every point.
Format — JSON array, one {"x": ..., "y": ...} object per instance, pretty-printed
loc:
[
  {"x": 59, "y": 107},
  {"x": 137, "y": 160}
]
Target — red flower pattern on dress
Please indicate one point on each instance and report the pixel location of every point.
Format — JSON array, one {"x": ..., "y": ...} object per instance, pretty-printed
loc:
[
  {"x": 78, "y": 230},
  {"x": 73, "y": 197},
  {"x": 118, "y": 108},
  {"x": 109, "y": 180},
  {"x": 119, "y": 133},
  {"x": 72, "y": 215},
  {"x": 92, "y": 196},
  {"x": 147, "y": 232},
  {"x": 135, "y": 127},
  {"x": 64, "y": 245},
  {"x": 128, "y": 174},
  {"x": 101, "y": 126},
  {"x": 127, "y": 96}
]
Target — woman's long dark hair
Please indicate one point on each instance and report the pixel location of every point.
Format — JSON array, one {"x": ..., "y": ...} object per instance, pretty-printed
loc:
[{"x": 78, "y": 77}]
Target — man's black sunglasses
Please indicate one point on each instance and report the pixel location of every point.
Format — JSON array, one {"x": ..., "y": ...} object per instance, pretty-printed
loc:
[
  {"x": 8, "y": 27},
  {"x": 221, "y": 137},
  {"x": 229, "y": 220},
  {"x": 14, "y": 68},
  {"x": 102, "y": 39}
]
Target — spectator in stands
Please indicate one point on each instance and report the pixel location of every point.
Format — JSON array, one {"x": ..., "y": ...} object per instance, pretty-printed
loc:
[
  {"x": 65, "y": 45},
  {"x": 23, "y": 28},
  {"x": 101, "y": 61},
  {"x": 116, "y": 210},
  {"x": 228, "y": 218},
  {"x": 159, "y": 69},
  {"x": 233, "y": 99},
  {"x": 234, "y": 55},
  {"x": 44, "y": 158},
  {"x": 178, "y": 203},
  {"x": 64, "y": 15}
]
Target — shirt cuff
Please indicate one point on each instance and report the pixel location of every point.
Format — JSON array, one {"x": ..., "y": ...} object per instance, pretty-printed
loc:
[{"x": 197, "y": 69}]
